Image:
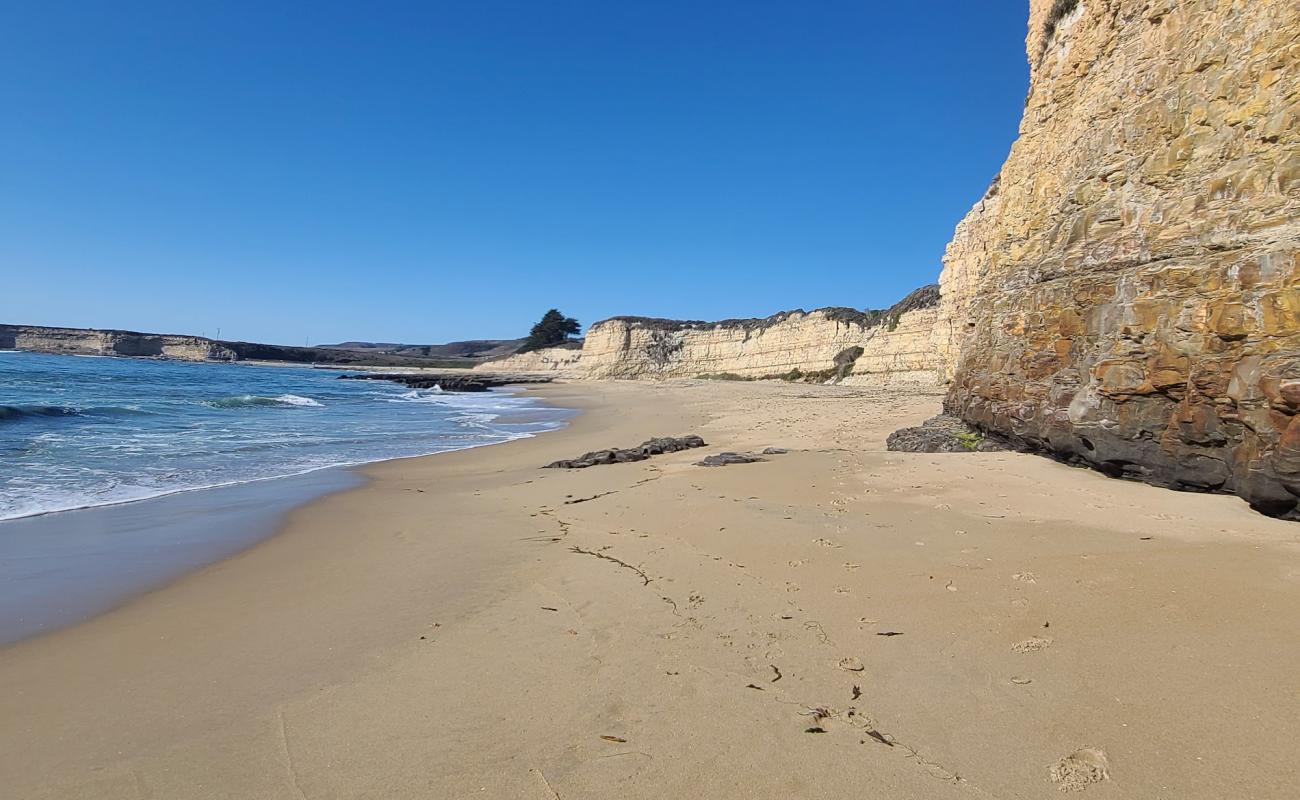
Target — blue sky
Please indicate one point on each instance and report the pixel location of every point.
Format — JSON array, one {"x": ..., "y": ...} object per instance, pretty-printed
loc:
[{"x": 428, "y": 171}]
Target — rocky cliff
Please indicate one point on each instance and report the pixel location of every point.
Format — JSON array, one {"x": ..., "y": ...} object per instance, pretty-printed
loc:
[
  {"x": 1127, "y": 293},
  {"x": 565, "y": 362},
  {"x": 87, "y": 341},
  {"x": 829, "y": 343}
]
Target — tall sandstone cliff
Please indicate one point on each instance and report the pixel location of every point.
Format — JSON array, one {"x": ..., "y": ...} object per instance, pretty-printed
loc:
[
  {"x": 1128, "y": 292},
  {"x": 828, "y": 344}
]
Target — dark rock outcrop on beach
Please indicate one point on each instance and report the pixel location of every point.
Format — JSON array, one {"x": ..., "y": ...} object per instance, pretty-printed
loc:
[
  {"x": 727, "y": 459},
  {"x": 651, "y": 447},
  {"x": 449, "y": 382},
  {"x": 944, "y": 434}
]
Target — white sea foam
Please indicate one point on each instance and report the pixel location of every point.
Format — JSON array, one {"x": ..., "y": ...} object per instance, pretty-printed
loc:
[
  {"x": 297, "y": 400},
  {"x": 260, "y": 401},
  {"x": 120, "y": 430}
]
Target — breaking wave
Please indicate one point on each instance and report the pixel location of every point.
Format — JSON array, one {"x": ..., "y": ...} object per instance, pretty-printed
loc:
[{"x": 258, "y": 401}]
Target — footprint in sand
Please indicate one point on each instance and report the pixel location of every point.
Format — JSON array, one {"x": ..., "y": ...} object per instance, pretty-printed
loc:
[
  {"x": 1032, "y": 645},
  {"x": 850, "y": 566},
  {"x": 1025, "y": 577},
  {"x": 799, "y": 562},
  {"x": 851, "y": 664},
  {"x": 1080, "y": 769},
  {"x": 841, "y": 590},
  {"x": 825, "y": 543}
]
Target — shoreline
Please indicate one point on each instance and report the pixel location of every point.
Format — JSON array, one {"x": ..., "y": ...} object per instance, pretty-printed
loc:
[
  {"x": 65, "y": 570},
  {"x": 473, "y": 624},
  {"x": 507, "y": 419}
]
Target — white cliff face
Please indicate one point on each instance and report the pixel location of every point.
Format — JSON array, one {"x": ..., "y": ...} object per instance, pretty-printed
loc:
[
  {"x": 809, "y": 342},
  {"x": 565, "y": 362},
  {"x": 904, "y": 355}
]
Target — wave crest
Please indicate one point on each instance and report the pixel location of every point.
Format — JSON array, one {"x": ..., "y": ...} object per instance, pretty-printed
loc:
[
  {"x": 9, "y": 413},
  {"x": 258, "y": 401}
]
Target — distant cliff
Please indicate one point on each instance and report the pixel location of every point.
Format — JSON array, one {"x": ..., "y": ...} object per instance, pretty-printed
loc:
[
  {"x": 565, "y": 362},
  {"x": 90, "y": 341},
  {"x": 85, "y": 341},
  {"x": 827, "y": 344},
  {"x": 1127, "y": 293}
]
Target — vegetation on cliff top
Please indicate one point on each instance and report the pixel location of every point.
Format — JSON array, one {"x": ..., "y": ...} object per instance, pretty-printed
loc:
[
  {"x": 553, "y": 330},
  {"x": 925, "y": 297}
]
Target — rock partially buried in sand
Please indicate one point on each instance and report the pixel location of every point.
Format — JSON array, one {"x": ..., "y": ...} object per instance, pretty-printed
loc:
[
  {"x": 727, "y": 459},
  {"x": 1078, "y": 770},
  {"x": 775, "y": 451},
  {"x": 943, "y": 434},
  {"x": 650, "y": 447}
]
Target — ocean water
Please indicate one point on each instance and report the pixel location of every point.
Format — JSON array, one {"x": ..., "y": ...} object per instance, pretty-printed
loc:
[{"x": 80, "y": 432}]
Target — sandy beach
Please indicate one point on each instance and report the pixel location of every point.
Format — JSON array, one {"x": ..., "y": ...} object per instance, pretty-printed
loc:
[{"x": 837, "y": 621}]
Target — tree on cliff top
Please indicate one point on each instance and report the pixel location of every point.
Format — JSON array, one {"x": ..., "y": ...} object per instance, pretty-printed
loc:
[{"x": 553, "y": 329}]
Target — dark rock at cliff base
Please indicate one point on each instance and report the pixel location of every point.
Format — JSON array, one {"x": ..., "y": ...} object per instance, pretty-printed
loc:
[
  {"x": 651, "y": 447},
  {"x": 449, "y": 382},
  {"x": 943, "y": 434},
  {"x": 727, "y": 459}
]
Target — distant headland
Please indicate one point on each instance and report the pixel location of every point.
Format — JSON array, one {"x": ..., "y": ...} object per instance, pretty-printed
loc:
[{"x": 134, "y": 344}]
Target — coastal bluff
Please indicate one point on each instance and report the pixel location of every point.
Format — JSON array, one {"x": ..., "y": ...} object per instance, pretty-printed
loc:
[
  {"x": 1127, "y": 293},
  {"x": 94, "y": 342},
  {"x": 828, "y": 344}
]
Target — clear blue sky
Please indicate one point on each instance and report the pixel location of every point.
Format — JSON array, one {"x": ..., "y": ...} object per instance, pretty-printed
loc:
[{"x": 437, "y": 170}]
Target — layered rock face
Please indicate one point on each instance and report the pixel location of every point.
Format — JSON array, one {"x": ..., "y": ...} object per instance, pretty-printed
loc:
[
  {"x": 1128, "y": 292},
  {"x": 87, "y": 341},
  {"x": 894, "y": 345},
  {"x": 562, "y": 362}
]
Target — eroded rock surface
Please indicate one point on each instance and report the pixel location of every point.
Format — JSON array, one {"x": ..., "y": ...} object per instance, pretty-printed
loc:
[
  {"x": 826, "y": 345},
  {"x": 944, "y": 434},
  {"x": 562, "y": 362},
  {"x": 1127, "y": 294},
  {"x": 728, "y": 459},
  {"x": 650, "y": 447}
]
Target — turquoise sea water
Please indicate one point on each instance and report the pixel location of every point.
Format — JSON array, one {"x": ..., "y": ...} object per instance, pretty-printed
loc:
[{"x": 78, "y": 432}]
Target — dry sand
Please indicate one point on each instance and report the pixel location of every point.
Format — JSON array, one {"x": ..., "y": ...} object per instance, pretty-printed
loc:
[{"x": 469, "y": 625}]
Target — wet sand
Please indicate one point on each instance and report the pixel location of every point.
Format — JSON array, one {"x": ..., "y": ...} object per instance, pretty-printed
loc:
[
  {"x": 59, "y": 569},
  {"x": 837, "y": 621}
]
